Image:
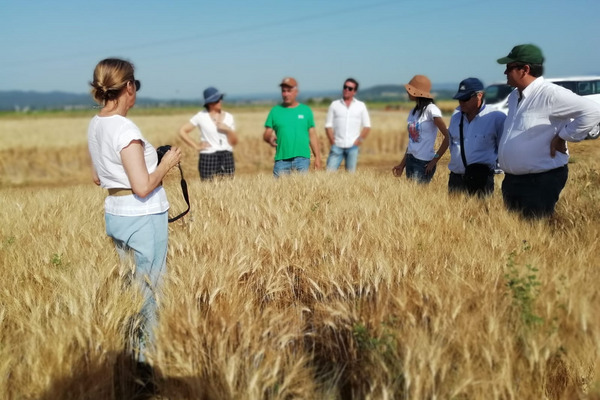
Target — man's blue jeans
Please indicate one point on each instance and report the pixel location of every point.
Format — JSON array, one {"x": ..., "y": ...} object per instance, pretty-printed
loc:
[
  {"x": 337, "y": 154},
  {"x": 289, "y": 165}
]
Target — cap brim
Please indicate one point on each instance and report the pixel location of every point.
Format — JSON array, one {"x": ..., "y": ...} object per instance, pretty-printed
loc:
[
  {"x": 462, "y": 96},
  {"x": 505, "y": 60}
]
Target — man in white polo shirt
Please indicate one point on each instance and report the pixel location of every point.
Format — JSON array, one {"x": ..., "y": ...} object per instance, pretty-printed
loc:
[
  {"x": 541, "y": 117},
  {"x": 347, "y": 126}
]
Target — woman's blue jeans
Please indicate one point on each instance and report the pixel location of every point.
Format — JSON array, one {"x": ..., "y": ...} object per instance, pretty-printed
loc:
[
  {"x": 415, "y": 169},
  {"x": 146, "y": 236}
]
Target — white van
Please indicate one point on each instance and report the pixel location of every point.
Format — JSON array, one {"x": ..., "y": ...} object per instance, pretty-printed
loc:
[{"x": 496, "y": 95}]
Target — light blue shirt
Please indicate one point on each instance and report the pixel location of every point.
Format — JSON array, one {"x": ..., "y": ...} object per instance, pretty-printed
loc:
[{"x": 481, "y": 138}]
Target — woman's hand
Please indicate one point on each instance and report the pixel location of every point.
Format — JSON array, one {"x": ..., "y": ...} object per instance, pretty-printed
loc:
[
  {"x": 223, "y": 128},
  {"x": 171, "y": 157},
  {"x": 201, "y": 146},
  {"x": 431, "y": 165},
  {"x": 398, "y": 170}
]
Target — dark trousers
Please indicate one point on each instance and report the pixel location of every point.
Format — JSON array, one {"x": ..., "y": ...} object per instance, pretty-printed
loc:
[
  {"x": 534, "y": 195},
  {"x": 219, "y": 163},
  {"x": 456, "y": 184}
]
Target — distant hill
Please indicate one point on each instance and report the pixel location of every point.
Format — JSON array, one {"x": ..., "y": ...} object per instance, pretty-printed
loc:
[
  {"x": 390, "y": 93},
  {"x": 17, "y": 100}
]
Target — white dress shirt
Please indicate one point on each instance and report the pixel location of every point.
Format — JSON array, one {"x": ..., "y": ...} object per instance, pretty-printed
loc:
[
  {"x": 481, "y": 137},
  {"x": 347, "y": 121},
  {"x": 544, "y": 111}
]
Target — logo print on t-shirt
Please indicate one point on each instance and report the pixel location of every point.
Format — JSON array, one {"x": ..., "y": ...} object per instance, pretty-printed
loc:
[
  {"x": 300, "y": 116},
  {"x": 414, "y": 129}
]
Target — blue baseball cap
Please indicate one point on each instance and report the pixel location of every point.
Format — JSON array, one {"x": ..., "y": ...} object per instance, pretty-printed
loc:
[{"x": 467, "y": 87}]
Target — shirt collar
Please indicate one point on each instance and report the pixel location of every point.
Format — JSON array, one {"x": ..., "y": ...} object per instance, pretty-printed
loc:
[{"x": 531, "y": 87}]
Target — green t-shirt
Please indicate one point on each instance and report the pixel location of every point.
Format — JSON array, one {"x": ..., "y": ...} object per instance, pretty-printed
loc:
[{"x": 291, "y": 125}]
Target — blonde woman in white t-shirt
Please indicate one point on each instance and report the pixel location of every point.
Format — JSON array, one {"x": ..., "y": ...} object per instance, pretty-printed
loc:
[
  {"x": 217, "y": 137},
  {"x": 126, "y": 165},
  {"x": 424, "y": 121}
]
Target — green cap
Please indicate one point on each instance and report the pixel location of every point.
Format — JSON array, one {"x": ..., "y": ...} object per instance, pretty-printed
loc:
[{"x": 524, "y": 53}]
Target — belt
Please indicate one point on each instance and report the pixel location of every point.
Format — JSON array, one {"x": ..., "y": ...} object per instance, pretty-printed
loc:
[{"x": 119, "y": 192}]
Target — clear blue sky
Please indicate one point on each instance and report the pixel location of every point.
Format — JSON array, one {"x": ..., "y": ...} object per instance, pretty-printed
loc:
[{"x": 248, "y": 46}]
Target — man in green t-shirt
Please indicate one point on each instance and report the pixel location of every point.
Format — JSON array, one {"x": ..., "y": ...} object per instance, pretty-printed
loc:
[{"x": 290, "y": 128}]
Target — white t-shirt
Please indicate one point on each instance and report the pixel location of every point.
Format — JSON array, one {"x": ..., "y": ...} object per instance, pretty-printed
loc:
[
  {"x": 107, "y": 136},
  {"x": 347, "y": 121},
  {"x": 422, "y": 132},
  {"x": 209, "y": 133}
]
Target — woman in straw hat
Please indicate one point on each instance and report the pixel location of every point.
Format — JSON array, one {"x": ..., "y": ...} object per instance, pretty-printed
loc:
[{"x": 424, "y": 121}]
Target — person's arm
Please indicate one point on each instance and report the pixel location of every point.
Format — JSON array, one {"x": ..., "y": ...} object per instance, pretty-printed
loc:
[
  {"x": 314, "y": 146},
  {"x": 330, "y": 136},
  {"x": 231, "y": 135},
  {"x": 363, "y": 135},
  {"x": 441, "y": 125},
  {"x": 399, "y": 169},
  {"x": 184, "y": 134},
  {"x": 95, "y": 177},
  {"x": 366, "y": 123},
  {"x": 270, "y": 137},
  {"x": 143, "y": 183},
  {"x": 329, "y": 125},
  {"x": 585, "y": 115}
]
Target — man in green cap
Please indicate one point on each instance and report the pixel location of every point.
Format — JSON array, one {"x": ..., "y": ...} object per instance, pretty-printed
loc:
[{"x": 541, "y": 118}]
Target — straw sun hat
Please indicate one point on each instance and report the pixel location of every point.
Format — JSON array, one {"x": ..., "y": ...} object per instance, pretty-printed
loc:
[{"x": 419, "y": 86}]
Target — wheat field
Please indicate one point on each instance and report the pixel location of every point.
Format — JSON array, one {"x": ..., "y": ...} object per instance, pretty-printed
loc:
[{"x": 323, "y": 286}]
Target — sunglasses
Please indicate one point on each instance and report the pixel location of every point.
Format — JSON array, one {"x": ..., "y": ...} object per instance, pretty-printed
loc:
[
  {"x": 465, "y": 99},
  {"x": 349, "y": 88},
  {"x": 137, "y": 84},
  {"x": 514, "y": 66}
]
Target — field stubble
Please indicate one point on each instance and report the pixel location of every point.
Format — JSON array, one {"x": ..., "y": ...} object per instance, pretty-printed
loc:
[{"x": 318, "y": 286}]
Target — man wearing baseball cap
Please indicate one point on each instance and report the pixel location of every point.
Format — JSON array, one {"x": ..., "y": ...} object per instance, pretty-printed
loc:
[
  {"x": 290, "y": 128},
  {"x": 541, "y": 118},
  {"x": 474, "y": 135}
]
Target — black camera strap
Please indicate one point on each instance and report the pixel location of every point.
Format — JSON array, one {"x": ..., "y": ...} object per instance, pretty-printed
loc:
[
  {"x": 462, "y": 140},
  {"x": 184, "y": 189}
]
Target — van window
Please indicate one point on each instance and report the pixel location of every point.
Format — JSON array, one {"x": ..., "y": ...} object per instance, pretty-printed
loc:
[
  {"x": 589, "y": 87},
  {"x": 572, "y": 86},
  {"x": 496, "y": 93},
  {"x": 584, "y": 88}
]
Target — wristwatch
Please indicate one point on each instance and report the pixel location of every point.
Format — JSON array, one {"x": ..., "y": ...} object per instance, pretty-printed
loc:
[{"x": 436, "y": 155}]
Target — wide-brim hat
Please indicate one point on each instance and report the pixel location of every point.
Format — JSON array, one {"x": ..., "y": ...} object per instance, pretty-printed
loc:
[
  {"x": 419, "y": 86},
  {"x": 212, "y": 95}
]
